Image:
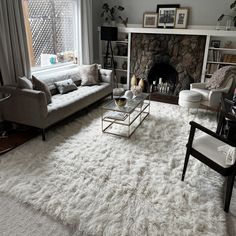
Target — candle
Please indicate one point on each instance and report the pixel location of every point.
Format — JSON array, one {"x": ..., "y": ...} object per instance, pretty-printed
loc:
[
  {"x": 154, "y": 82},
  {"x": 160, "y": 80}
]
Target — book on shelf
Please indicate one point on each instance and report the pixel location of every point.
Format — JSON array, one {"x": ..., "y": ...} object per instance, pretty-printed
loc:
[
  {"x": 211, "y": 68},
  {"x": 231, "y": 58},
  {"x": 217, "y": 56}
]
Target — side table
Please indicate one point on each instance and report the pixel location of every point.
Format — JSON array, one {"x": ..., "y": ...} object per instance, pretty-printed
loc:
[{"x": 4, "y": 132}]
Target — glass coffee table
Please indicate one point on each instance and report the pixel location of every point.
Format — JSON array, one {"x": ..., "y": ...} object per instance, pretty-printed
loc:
[{"x": 123, "y": 121}]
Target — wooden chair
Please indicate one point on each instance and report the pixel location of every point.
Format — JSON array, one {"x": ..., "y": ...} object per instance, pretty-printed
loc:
[{"x": 205, "y": 149}]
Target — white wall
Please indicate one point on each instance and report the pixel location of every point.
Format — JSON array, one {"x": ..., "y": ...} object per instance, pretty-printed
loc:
[{"x": 202, "y": 12}]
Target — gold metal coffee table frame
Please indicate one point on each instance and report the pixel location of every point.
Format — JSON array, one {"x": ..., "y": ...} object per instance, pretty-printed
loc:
[{"x": 136, "y": 109}]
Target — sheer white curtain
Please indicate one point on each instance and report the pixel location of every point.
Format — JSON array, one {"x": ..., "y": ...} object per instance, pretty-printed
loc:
[
  {"x": 85, "y": 31},
  {"x": 14, "y": 58}
]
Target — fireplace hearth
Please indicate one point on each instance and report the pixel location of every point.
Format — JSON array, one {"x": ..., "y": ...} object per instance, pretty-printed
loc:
[{"x": 169, "y": 63}]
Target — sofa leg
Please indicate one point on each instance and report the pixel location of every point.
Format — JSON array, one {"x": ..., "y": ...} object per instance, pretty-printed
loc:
[
  {"x": 43, "y": 135},
  {"x": 111, "y": 96}
]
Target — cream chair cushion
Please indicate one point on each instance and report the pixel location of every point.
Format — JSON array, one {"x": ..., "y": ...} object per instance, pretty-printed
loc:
[{"x": 210, "y": 147}]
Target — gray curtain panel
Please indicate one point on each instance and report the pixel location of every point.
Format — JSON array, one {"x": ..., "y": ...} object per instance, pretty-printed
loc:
[
  {"x": 86, "y": 31},
  {"x": 14, "y": 59}
]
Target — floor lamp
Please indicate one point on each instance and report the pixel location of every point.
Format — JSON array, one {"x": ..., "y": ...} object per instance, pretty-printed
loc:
[{"x": 110, "y": 34}]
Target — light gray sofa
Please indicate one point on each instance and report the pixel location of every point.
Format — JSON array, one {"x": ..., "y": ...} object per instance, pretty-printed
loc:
[{"x": 29, "y": 107}]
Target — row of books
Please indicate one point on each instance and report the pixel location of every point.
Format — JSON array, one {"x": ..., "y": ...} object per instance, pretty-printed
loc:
[
  {"x": 211, "y": 68},
  {"x": 217, "y": 56}
]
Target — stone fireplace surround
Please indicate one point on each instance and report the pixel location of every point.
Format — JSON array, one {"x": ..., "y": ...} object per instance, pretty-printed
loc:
[{"x": 184, "y": 53}]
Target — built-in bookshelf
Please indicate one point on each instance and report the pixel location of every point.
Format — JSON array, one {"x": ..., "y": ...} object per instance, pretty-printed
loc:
[
  {"x": 220, "y": 55},
  {"x": 120, "y": 53},
  {"x": 214, "y": 57}
]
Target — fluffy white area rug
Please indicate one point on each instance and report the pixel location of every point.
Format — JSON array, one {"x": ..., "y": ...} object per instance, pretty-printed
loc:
[{"x": 109, "y": 185}]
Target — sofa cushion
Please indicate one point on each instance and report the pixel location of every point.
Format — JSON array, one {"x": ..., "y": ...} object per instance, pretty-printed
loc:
[
  {"x": 64, "y": 105},
  {"x": 66, "y": 86},
  {"x": 24, "y": 83},
  {"x": 50, "y": 78},
  {"x": 41, "y": 86},
  {"x": 89, "y": 75}
]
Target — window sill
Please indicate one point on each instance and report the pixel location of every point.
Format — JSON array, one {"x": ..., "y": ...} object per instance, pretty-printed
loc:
[{"x": 36, "y": 70}]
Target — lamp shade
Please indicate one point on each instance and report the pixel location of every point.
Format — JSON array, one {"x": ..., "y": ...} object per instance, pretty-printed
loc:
[{"x": 109, "y": 33}]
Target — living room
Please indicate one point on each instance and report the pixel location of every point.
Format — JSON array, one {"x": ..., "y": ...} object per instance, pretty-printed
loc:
[{"x": 117, "y": 117}]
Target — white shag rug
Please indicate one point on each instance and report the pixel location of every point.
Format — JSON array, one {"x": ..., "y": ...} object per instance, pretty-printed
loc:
[{"x": 107, "y": 185}]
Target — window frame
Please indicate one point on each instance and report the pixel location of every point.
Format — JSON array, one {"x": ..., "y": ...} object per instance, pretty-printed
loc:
[{"x": 77, "y": 43}]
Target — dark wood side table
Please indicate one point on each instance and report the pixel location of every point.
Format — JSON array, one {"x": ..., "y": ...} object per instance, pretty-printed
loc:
[
  {"x": 226, "y": 120},
  {"x": 4, "y": 133}
]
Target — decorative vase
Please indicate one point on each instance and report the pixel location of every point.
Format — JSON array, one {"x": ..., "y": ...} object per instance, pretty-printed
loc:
[
  {"x": 141, "y": 84},
  {"x": 228, "y": 24},
  {"x": 134, "y": 81},
  {"x": 113, "y": 23},
  {"x": 129, "y": 94},
  {"x": 136, "y": 90}
]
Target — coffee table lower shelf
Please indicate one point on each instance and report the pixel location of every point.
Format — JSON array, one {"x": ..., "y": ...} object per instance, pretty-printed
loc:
[{"x": 132, "y": 121}]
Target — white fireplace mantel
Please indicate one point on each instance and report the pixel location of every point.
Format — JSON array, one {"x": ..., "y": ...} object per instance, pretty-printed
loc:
[
  {"x": 191, "y": 30},
  {"x": 208, "y": 31}
]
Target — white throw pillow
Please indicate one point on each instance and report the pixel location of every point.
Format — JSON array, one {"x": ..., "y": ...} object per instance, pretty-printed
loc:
[{"x": 89, "y": 74}]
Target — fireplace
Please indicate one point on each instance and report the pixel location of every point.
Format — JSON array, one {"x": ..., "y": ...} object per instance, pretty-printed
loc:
[
  {"x": 176, "y": 59},
  {"x": 163, "y": 77}
]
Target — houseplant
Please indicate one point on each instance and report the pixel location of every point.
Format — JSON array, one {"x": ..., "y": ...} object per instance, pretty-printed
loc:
[
  {"x": 233, "y": 16},
  {"x": 112, "y": 14}
]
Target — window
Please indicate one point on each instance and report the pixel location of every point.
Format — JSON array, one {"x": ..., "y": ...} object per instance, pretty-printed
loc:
[{"x": 51, "y": 31}]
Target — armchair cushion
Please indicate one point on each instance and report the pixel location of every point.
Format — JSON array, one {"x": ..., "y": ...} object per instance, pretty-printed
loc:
[
  {"x": 210, "y": 147},
  {"x": 204, "y": 93}
]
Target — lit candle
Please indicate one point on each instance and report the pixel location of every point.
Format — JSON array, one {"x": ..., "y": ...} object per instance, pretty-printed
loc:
[{"x": 160, "y": 80}]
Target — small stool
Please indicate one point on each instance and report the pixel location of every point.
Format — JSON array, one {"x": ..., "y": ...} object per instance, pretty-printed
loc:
[{"x": 189, "y": 99}]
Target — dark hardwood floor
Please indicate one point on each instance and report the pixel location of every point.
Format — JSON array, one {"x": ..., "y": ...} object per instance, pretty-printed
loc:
[{"x": 15, "y": 137}]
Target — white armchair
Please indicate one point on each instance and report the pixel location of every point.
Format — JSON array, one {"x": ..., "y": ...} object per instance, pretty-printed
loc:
[{"x": 211, "y": 98}]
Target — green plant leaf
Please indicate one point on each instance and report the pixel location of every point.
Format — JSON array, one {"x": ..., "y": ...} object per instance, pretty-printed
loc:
[
  {"x": 120, "y": 8},
  {"x": 233, "y": 5},
  {"x": 221, "y": 17},
  {"x": 105, "y": 6}
]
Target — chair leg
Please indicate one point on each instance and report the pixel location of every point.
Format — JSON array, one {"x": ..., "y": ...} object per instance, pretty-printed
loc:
[
  {"x": 43, "y": 135},
  {"x": 185, "y": 163},
  {"x": 228, "y": 193}
]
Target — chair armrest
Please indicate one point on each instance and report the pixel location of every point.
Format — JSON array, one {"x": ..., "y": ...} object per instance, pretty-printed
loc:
[
  {"x": 106, "y": 75},
  {"x": 24, "y": 106},
  {"x": 198, "y": 85},
  {"x": 211, "y": 133}
]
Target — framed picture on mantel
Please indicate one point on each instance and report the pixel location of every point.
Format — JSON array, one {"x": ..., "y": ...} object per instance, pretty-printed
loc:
[
  {"x": 181, "y": 18},
  {"x": 150, "y": 20},
  {"x": 166, "y": 15}
]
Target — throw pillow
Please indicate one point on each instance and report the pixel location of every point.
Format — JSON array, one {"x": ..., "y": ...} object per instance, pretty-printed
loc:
[
  {"x": 89, "y": 75},
  {"x": 24, "y": 83},
  {"x": 41, "y": 86},
  {"x": 65, "y": 86}
]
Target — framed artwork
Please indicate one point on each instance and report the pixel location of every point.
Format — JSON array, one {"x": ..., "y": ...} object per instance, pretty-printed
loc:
[
  {"x": 181, "y": 18},
  {"x": 167, "y": 6},
  {"x": 215, "y": 43},
  {"x": 166, "y": 17},
  {"x": 107, "y": 62},
  {"x": 150, "y": 20}
]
